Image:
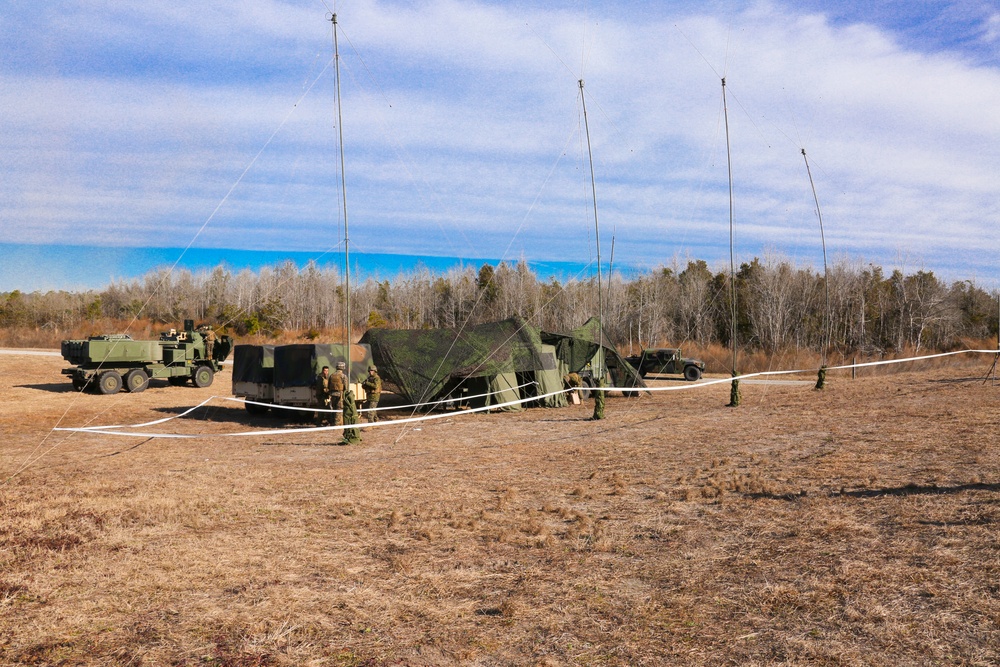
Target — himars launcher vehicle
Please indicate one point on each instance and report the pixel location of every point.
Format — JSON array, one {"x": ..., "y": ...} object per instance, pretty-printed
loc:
[{"x": 107, "y": 363}]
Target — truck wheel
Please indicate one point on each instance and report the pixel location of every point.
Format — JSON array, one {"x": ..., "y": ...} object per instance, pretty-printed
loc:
[
  {"x": 584, "y": 390},
  {"x": 692, "y": 373},
  {"x": 110, "y": 382},
  {"x": 78, "y": 383},
  {"x": 203, "y": 376},
  {"x": 136, "y": 380},
  {"x": 255, "y": 409}
]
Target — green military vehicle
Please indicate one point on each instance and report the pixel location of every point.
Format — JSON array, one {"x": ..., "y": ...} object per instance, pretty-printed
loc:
[
  {"x": 270, "y": 376},
  {"x": 105, "y": 364},
  {"x": 667, "y": 361}
]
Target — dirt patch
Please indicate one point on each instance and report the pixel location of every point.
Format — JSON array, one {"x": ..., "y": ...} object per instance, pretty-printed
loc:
[{"x": 852, "y": 526}]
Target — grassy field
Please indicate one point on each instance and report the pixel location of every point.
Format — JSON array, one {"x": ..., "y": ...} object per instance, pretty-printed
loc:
[{"x": 852, "y": 526}]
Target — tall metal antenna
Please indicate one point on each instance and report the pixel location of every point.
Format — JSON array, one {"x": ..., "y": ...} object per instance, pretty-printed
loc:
[
  {"x": 826, "y": 273},
  {"x": 343, "y": 188},
  {"x": 597, "y": 237},
  {"x": 735, "y": 391}
]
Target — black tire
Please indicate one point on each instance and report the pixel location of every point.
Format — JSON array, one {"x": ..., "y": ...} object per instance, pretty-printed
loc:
[
  {"x": 255, "y": 409},
  {"x": 79, "y": 383},
  {"x": 110, "y": 382},
  {"x": 203, "y": 376},
  {"x": 692, "y": 373},
  {"x": 584, "y": 390},
  {"x": 136, "y": 380}
]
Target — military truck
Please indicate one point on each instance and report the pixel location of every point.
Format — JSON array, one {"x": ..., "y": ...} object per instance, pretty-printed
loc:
[
  {"x": 285, "y": 375},
  {"x": 253, "y": 376},
  {"x": 107, "y": 363},
  {"x": 667, "y": 361}
]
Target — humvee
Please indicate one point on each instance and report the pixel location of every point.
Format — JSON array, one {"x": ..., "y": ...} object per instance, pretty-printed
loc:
[{"x": 667, "y": 360}]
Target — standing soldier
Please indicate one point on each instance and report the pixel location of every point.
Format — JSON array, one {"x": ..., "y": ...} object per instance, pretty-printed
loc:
[
  {"x": 209, "y": 342},
  {"x": 373, "y": 391},
  {"x": 338, "y": 384},
  {"x": 323, "y": 393}
]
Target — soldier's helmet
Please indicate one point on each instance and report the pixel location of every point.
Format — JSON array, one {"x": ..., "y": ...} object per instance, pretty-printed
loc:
[
  {"x": 372, "y": 368},
  {"x": 341, "y": 365}
]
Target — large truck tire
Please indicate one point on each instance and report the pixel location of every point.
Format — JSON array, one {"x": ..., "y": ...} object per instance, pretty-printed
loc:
[
  {"x": 109, "y": 382},
  {"x": 256, "y": 409},
  {"x": 136, "y": 380},
  {"x": 692, "y": 373},
  {"x": 203, "y": 376}
]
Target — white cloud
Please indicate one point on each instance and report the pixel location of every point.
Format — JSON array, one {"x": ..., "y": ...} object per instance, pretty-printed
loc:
[{"x": 462, "y": 124}]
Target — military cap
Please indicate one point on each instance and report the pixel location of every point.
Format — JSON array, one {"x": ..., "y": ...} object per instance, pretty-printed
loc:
[{"x": 341, "y": 365}]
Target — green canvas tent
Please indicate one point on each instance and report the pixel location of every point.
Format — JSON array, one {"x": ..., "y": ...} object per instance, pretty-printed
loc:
[
  {"x": 428, "y": 365},
  {"x": 580, "y": 351}
]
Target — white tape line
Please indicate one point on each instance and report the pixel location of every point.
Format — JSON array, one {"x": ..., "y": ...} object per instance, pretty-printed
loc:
[
  {"x": 314, "y": 429},
  {"x": 152, "y": 423},
  {"x": 389, "y": 407},
  {"x": 107, "y": 430},
  {"x": 706, "y": 383}
]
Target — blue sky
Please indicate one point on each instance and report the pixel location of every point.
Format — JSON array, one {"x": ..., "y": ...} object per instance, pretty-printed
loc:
[{"x": 163, "y": 124}]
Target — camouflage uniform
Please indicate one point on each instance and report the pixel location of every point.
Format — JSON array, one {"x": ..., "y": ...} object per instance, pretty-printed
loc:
[
  {"x": 599, "y": 402},
  {"x": 373, "y": 391},
  {"x": 338, "y": 385},
  {"x": 323, "y": 393},
  {"x": 209, "y": 342},
  {"x": 351, "y": 435}
]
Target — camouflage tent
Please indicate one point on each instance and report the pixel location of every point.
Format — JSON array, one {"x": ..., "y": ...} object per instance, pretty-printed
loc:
[
  {"x": 428, "y": 365},
  {"x": 580, "y": 351}
]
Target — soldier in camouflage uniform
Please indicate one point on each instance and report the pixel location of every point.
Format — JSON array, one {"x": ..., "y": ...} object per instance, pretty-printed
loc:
[
  {"x": 209, "y": 342},
  {"x": 338, "y": 385},
  {"x": 373, "y": 391},
  {"x": 323, "y": 393}
]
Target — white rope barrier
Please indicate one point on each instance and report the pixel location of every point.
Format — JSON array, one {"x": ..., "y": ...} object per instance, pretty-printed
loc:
[
  {"x": 115, "y": 429},
  {"x": 111, "y": 430},
  {"x": 390, "y": 407},
  {"x": 706, "y": 383}
]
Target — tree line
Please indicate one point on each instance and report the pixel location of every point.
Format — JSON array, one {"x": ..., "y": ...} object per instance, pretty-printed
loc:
[{"x": 779, "y": 306}]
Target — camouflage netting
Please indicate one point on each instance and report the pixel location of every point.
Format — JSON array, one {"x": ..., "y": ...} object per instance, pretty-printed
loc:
[
  {"x": 580, "y": 349},
  {"x": 426, "y": 364},
  {"x": 423, "y": 363}
]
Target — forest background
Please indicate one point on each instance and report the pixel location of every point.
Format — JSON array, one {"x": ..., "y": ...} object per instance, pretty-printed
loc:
[{"x": 781, "y": 308}]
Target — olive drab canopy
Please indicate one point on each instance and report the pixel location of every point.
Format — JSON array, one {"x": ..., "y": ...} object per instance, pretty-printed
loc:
[
  {"x": 253, "y": 363},
  {"x": 426, "y": 364},
  {"x": 508, "y": 360},
  {"x": 581, "y": 350}
]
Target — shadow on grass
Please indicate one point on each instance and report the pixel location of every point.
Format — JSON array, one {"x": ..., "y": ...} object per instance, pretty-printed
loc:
[
  {"x": 55, "y": 387},
  {"x": 907, "y": 490},
  {"x": 917, "y": 489}
]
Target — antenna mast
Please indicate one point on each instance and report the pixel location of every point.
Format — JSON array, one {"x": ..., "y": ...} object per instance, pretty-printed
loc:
[
  {"x": 826, "y": 272},
  {"x": 734, "y": 399},
  {"x": 343, "y": 188},
  {"x": 597, "y": 238}
]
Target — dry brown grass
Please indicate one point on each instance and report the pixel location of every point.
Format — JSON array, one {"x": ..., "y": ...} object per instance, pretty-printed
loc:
[{"x": 852, "y": 526}]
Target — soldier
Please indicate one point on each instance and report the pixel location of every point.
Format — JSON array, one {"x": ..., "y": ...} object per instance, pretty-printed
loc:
[
  {"x": 323, "y": 393},
  {"x": 209, "y": 342},
  {"x": 373, "y": 391},
  {"x": 338, "y": 384}
]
